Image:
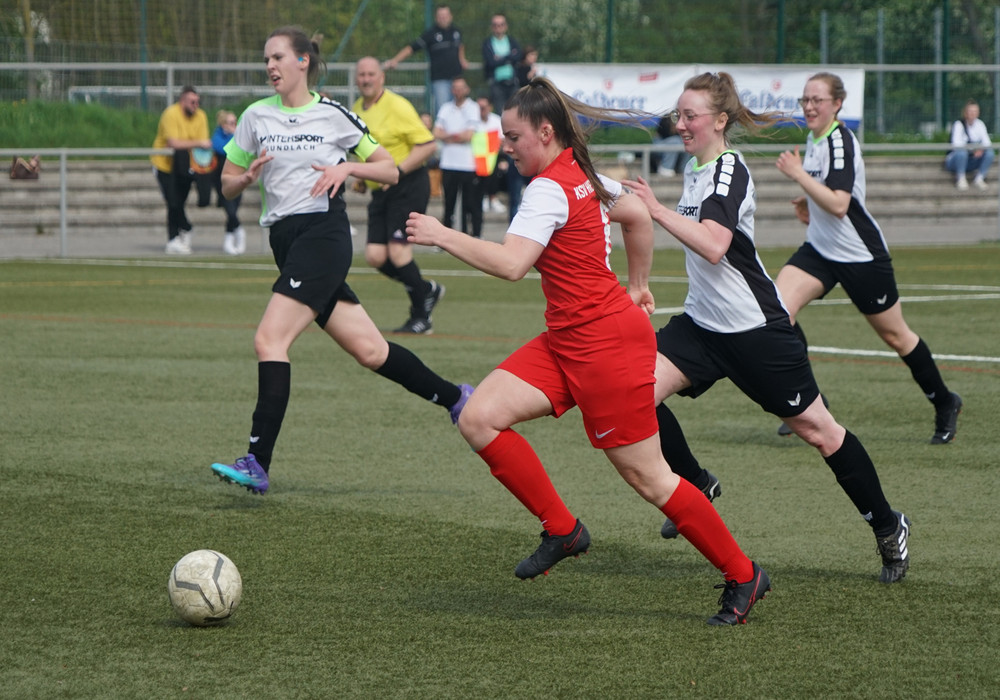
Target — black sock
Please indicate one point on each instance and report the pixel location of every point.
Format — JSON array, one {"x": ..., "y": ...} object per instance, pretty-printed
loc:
[
  {"x": 675, "y": 448},
  {"x": 925, "y": 373},
  {"x": 857, "y": 477},
  {"x": 274, "y": 381},
  {"x": 389, "y": 270},
  {"x": 406, "y": 369},
  {"x": 416, "y": 287}
]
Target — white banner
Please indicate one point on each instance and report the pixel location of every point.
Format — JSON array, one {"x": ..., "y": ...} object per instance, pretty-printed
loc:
[{"x": 655, "y": 88}]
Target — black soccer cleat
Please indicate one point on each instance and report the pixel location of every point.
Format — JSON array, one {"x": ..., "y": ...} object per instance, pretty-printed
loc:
[
  {"x": 434, "y": 295},
  {"x": 415, "y": 326},
  {"x": 895, "y": 551},
  {"x": 946, "y": 421},
  {"x": 737, "y": 599},
  {"x": 714, "y": 489},
  {"x": 552, "y": 550}
]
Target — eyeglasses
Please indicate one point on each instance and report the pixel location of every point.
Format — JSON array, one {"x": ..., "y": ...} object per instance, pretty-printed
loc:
[
  {"x": 806, "y": 101},
  {"x": 675, "y": 116}
]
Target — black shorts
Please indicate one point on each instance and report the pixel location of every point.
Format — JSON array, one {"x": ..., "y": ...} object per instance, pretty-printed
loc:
[
  {"x": 389, "y": 209},
  {"x": 870, "y": 285},
  {"x": 313, "y": 253},
  {"x": 768, "y": 364}
]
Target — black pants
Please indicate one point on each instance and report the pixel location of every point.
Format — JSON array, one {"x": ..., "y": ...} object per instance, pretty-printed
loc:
[
  {"x": 175, "y": 187},
  {"x": 453, "y": 182},
  {"x": 229, "y": 205},
  {"x": 175, "y": 191}
]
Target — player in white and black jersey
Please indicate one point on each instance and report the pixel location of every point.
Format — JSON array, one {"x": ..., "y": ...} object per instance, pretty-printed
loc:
[
  {"x": 845, "y": 246},
  {"x": 734, "y": 322},
  {"x": 296, "y": 144}
]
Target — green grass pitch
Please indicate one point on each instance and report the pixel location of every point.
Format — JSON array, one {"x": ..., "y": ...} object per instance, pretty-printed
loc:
[{"x": 381, "y": 562}]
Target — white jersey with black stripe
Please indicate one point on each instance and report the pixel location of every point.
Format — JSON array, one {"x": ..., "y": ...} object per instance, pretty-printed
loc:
[
  {"x": 835, "y": 160},
  {"x": 736, "y": 294},
  {"x": 320, "y": 133}
]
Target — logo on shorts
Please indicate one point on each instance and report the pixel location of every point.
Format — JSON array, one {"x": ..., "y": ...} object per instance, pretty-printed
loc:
[
  {"x": 882, "y": 299},
  {"x": 295, "y": 284},
  {"x": 796, "y": 401},
  {"x": 601, "y": 436}
]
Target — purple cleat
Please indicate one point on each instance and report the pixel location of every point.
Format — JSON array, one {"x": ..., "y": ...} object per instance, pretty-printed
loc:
[
  {"x": 244, "y": 472},
  {"x": 456, "y": 410}
]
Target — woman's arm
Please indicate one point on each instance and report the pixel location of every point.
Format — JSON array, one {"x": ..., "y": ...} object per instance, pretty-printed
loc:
[
  {"x": 236, "y": 178},
  {"x": 835, "y": 202},
  {"x": 708, "y": 239},
  {"x": 509, "y": 260},
  {"x": 637, "y": 233},
  {"x": 378, "y": 167}
]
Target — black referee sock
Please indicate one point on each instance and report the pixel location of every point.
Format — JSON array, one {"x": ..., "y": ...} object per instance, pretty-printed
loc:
[
  {"x": 416, "y": 287},
  {"x": 857, "y": 477},
  {"x": 926, "y": 374},
  {"x": 675, "y": 448},
  {"x": 274, "y": 381},
  {"x": 406, "y": 369}
]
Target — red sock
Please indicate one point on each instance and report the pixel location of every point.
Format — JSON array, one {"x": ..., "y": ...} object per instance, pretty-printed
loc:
[
  {"x": 701, "y": 525},
  {"x": 514, "y": 464}
]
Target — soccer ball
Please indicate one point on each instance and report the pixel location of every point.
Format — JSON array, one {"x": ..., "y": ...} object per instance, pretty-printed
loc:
[{"x": 205, "y": 587}]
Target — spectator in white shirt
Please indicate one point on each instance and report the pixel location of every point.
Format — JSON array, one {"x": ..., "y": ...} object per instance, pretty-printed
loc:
[
  {"x": 970, "y": 130},
  {"x": 455, "y": 124}
]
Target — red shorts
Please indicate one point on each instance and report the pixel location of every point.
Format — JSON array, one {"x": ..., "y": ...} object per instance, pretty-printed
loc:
[{"x": 606, "y": 367}]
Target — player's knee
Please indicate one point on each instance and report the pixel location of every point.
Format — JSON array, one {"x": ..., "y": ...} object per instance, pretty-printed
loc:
[
  {"x": 369, "y": 352},
  {"x": 475, "y": 425},
  {"x": 898, "y": 341},
  {"x": 810, "y": 431},
  {"x": 268, "y": 346}
]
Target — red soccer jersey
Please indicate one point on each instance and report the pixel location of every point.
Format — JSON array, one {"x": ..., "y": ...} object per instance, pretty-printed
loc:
[{"x": 561, "y": 211}]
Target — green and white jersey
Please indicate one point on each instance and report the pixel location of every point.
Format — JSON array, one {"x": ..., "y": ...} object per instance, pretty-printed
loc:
[{"x": 321, "y": 133}]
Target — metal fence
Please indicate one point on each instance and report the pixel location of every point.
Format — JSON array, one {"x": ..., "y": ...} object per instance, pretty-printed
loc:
[
  {"x": 153, "y": 86},
  {"x": 924, "y": 58},
  {"x": 900, "y": 100},
  {"x": 642, "y": 152}
]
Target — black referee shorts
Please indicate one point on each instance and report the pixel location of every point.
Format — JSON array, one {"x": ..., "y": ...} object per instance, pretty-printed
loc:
[
  {"x": 389, "y": 209},
  {"x": 768, "y": 364}
]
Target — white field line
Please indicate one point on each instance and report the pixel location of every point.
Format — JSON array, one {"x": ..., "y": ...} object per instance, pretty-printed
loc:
[
  {"x": 971, "y": 293},
  {"x": 362, "y": 270},
  {"x": 854, "y": 352}
]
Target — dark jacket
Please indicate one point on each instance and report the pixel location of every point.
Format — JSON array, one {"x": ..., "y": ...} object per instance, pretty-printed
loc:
[{"x": 491, "y": 61}]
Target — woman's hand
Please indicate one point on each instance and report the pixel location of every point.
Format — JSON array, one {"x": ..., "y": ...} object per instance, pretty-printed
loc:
[
  {"x": 790, "y": 163},
  {"x": 422, "y": 229},
  {"x": 801, "y": 209},
  {"x": 643, "y": 298},
  {"x": 332, "y": 178},
  {"x": 644, "y": 192},
  {"x": 253, "y": 172}
]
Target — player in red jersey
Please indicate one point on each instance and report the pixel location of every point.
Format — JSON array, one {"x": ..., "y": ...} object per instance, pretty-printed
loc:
[{"x": 598, "y": 351}]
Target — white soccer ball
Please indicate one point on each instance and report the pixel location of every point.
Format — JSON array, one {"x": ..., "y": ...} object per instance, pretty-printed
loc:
[{"x": 205, "y": 587}]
